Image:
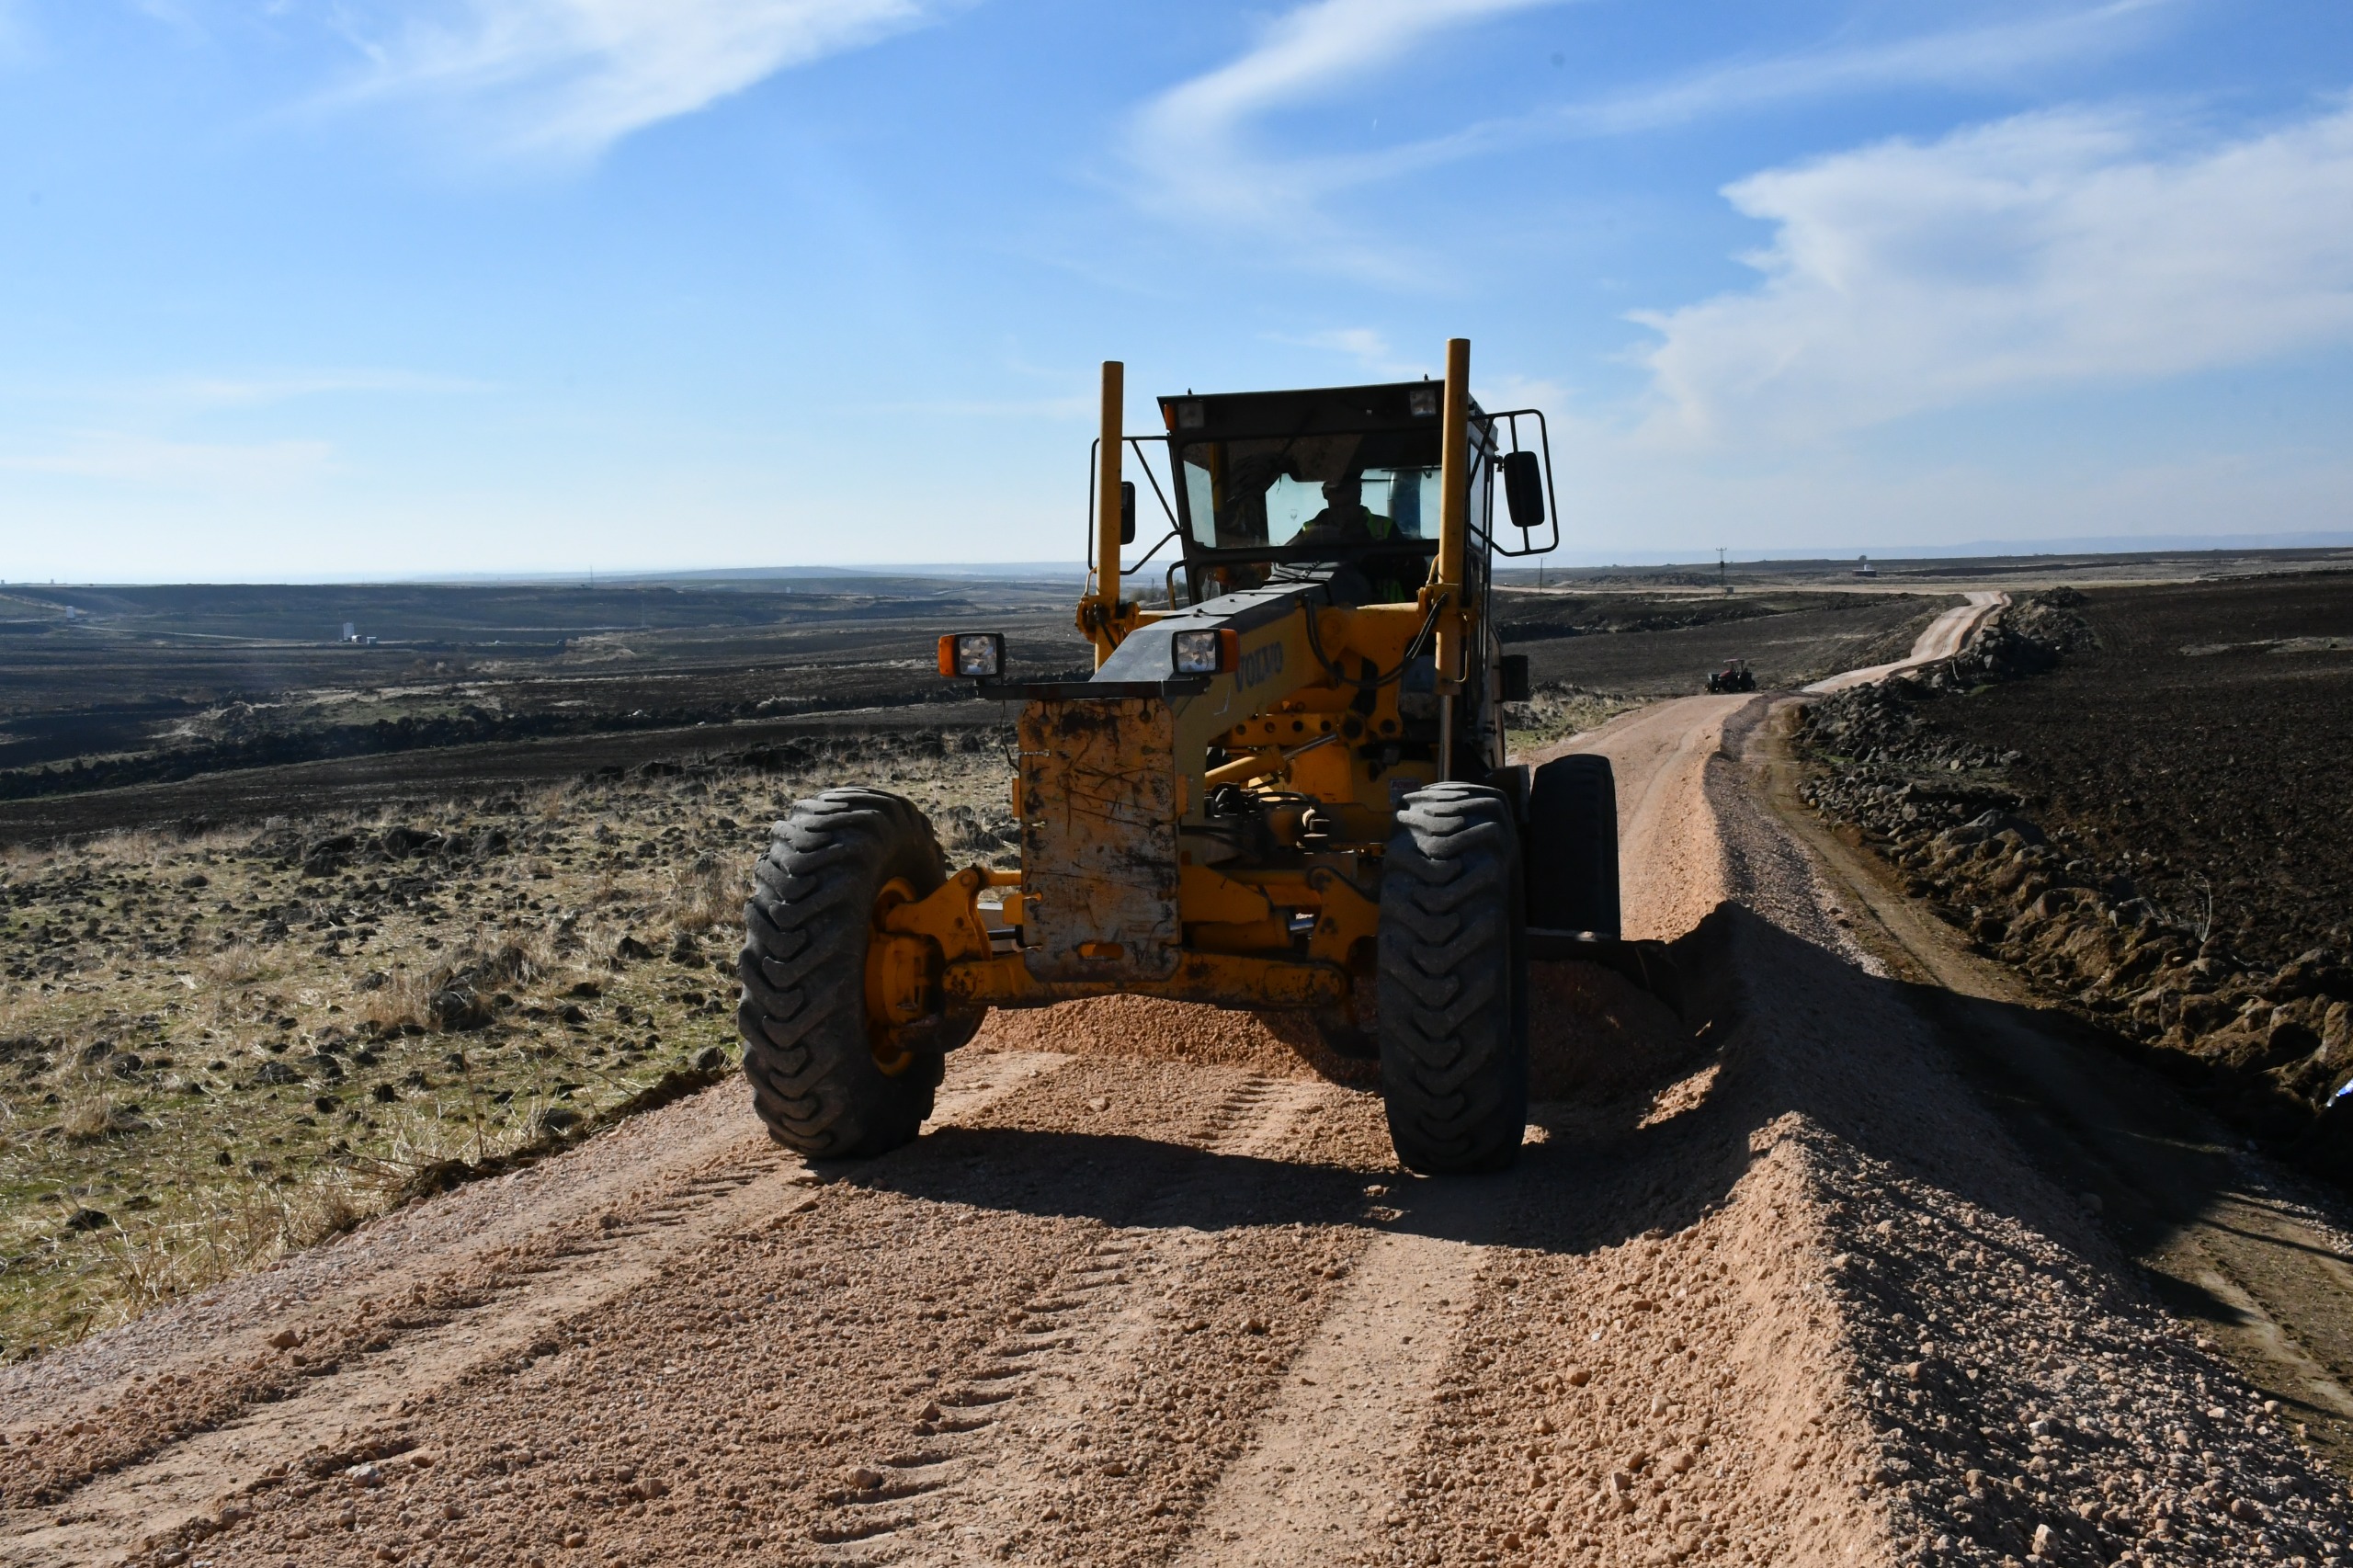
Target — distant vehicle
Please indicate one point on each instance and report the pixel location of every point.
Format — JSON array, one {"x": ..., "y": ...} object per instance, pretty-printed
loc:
[{"x": 1734, "y": 676}]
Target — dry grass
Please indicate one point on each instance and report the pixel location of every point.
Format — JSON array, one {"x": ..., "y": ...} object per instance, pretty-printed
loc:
[
  {"x": 700, "y": 900},
  {"x": 192, "y": 1244},
  {"x": 400, "y": 1001},
  {"x": 1553, "y": 712},
  {"x": 124, "y": 850},
  {"x": 269, "y": 1119},
  {"x": 235, "y": 963},
  {"x": 89, "y": 1114}
]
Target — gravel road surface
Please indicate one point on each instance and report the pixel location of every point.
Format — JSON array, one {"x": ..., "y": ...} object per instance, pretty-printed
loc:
[
  {"x": 1775, "y": 1283},
  {"x": 1946, "y": 635}
]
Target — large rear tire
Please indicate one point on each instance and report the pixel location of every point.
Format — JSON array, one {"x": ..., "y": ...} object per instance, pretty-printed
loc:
[
  {"x": 1573, "y": 846},
  {"x": 807, "y": 1048},
  {"x": 1453, "y": 1012}
]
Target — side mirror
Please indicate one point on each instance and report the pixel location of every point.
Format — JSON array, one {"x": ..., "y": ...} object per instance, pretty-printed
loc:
[
  {"x": 1127, "y": 511},
  {"x": 1513, "y": 667},
  {"x": 1524, "y": 490}
]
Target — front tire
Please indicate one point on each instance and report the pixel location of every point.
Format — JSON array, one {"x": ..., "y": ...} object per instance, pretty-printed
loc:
[
  {"x": 1573, "y": 846},
  {"x": 1453, "y": 1011},
  {"x": 807, "y": 1048}
]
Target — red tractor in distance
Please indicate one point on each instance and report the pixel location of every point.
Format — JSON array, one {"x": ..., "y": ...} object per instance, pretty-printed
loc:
[{"x": 1734, "y": 676}]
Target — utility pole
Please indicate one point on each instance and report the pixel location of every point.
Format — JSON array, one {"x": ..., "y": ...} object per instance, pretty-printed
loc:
[{"x": 1721, "y": 581}]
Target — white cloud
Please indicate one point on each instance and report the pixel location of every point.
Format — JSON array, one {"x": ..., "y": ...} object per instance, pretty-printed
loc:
[
  {"x": 1956, "y": 57},
  {"x": 2047, "y": 250},
  {"x": 1368, "y": 348},
  {"x": 1200, "y": 148},
  {"x": 1194, "y": 143},
  {"x": 564, "y": 79}
]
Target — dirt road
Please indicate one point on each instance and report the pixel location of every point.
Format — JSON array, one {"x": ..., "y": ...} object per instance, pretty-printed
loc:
[
  {"x": 1779, "y": 1283},
  {"x": 1945, "y": 636}
]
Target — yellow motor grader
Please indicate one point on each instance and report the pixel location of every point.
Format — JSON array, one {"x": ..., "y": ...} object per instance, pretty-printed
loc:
[{"x": 1283, "y": 789}]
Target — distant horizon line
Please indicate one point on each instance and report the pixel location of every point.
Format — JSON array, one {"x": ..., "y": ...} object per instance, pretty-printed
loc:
[{"x": 1583, "y": 559}]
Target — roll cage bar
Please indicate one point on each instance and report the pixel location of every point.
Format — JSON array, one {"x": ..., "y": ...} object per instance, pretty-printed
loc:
[{"x": 1321, "y": 412}]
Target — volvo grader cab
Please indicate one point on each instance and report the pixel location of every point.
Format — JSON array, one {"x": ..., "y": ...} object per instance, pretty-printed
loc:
[{"x": 1283, "y": 789}]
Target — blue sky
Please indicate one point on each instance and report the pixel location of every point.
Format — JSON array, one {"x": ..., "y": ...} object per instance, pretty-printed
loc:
[{"x": 338, "y": 288}]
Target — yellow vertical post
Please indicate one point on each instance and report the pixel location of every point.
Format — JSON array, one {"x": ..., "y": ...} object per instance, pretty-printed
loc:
[
  {"x": 1454, "y": 514},
  {"x": 1106, "y": 506},
  {"x": 1453, "y": 539}
]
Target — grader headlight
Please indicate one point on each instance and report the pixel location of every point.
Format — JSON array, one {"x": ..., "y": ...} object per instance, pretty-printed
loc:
[
  {"x": 975, "y": 654},
  {"x": 1204, "y": 652}
]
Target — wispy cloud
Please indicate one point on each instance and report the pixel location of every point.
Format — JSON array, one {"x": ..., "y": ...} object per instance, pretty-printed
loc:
[
  {"x": 1205, "y": 153},
  {"x": 212, "y": 466},
  {"x": 2044, "y": 250},
  {"x": 564, "y": 79},
  {"x": 263, "y": 388},
  {"x": 16, "y": 35},
  {"x": 1953, "y": 57},
  {"x": 1369, "y": 348},
  {"x": 1076, "y": 407},
  {"x": 1197, "y": 143}
]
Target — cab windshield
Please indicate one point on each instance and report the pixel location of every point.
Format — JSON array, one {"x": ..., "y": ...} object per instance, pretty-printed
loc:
[{"x": 1306, "y": 493}]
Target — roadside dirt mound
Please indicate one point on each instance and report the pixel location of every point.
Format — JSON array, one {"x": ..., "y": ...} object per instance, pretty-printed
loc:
[
  {"x": 1146, "y": 1028},
  {"x": 1590, "y": 1033}
]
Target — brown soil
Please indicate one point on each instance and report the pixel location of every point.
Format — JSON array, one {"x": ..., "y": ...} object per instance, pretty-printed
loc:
[
  {"x": 2204, "y": 742},
  {"x": 1774, "y": 1288},
  {"x": 152, "y": 686},
  {"x": 2159, "y": 836},
  {"x": 1666, "y": 647}
]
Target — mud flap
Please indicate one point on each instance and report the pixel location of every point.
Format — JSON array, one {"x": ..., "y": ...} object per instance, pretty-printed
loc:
[{"x": 1098, "y": 839}]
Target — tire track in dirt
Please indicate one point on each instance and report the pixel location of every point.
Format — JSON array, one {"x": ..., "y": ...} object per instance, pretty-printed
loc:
[
  {"x": 651, "y": 1226},
  {"x": 1088, "y": 1335},
  {"x": 1331, "y": 1447},
  {"x": 1090, "y": 1318}
]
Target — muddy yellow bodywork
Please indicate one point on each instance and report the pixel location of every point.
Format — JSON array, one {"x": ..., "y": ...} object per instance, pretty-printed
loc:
[{"x": 1129, "y": 880}]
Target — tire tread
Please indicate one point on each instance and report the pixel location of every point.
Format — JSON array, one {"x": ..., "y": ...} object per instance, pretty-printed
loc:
[{"x": 1452, "y": 1012}]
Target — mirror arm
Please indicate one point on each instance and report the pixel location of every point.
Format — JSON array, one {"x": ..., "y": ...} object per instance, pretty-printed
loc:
[
  {"x": 1146, "y": 558},
  {"x": 1552, "y": 503}
]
